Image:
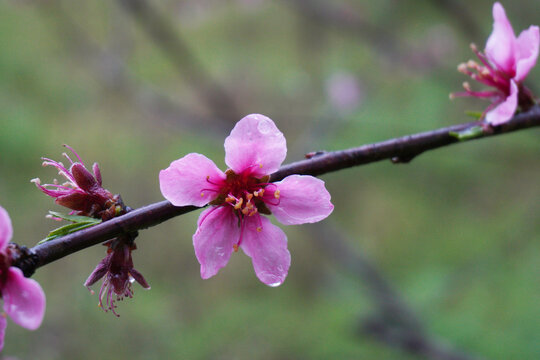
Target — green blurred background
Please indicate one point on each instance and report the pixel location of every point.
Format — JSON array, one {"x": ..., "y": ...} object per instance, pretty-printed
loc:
[{"x": 456, "y": 231}]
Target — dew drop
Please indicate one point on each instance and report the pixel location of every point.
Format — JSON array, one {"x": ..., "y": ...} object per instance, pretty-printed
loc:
[{"x": 264, "y": 126}]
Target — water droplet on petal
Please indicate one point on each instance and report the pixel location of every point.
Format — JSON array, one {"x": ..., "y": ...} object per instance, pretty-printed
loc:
[{"x": 264, "y": 126}]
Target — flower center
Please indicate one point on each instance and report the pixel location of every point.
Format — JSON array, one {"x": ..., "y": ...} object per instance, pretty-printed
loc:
[{"x": 247, "y": 196}]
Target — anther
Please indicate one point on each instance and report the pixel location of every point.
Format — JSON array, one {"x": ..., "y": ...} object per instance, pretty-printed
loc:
[
  {"x": 259, "y": 229},
  {"x": 276, "y": 194},
  {"x": 238, "y": 204},
  {"x": 202, "y": 194},
  {"x": 235, "y": 247},
  {"x": 260, "y": 166},
  {"x": 260, "y": 192}
]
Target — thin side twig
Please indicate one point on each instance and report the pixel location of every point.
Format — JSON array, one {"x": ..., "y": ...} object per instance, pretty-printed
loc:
[
  {"x": 393, "y": 323},
  {"x": 173, "y": 46}
]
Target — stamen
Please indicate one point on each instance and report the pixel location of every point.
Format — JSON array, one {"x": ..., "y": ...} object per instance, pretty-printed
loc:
[
  {"x": 67, "y": 157},
  {"x": 202, "y": 194},
  {"x": 239, "y": 203},
  {"x": 276, "y": 194},
  {"x": 235, "y": 247},
  {"x": 73, "y": 151},
  {"x": 259, "y": 229}
]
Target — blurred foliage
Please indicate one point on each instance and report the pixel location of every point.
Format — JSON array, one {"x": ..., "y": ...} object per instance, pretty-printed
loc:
[{"x": 456, "y": 231}]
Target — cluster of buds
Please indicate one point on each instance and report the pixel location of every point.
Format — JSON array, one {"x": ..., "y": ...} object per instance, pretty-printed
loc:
[{"x": 82, "y": 192}]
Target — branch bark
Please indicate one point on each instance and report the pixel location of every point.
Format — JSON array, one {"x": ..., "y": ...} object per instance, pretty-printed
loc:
[{"x": 399, "y": 150}]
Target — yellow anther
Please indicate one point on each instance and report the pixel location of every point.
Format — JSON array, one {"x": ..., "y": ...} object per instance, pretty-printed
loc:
[
  {"x": 235, "y": 247},
  {"x": 249, "y": 196},
  {"x": 260, "y": 166},
  {"x": 276, "y": 194},
  {"x": 253, "y": 212},
  {"x": 259, "y": 229},
  {"x": 245, "y": 211},
  {"x": 260, "y": 192},
  {"x": 230, "y": 199},
  {"x": 238, "y": 204},
  {"x": 202, "y": 194}
]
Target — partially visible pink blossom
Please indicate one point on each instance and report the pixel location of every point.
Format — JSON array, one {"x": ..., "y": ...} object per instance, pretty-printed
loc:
[
  {"x": 344, "y": 92},
  {"x": 254, "y": 150},
  {"x": 504, "y": 66},
  {"x": 82, "y": 192},
  {"x": 24, "y": 300},
  {"x": 118, "y": 273}
]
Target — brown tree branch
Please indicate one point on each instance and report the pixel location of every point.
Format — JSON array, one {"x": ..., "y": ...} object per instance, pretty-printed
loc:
[{"x": 399, "y": 150}]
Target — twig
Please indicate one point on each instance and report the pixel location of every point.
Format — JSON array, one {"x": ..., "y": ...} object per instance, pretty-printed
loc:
[
  {"x": 401, "y": 149},
  {"x": 412, "y": 342},
  {"x": 114, "y": 75},
  {"x": 332, "y": 15},
  {"x": 394, "y": 322},
  {"x": 173, "y": 46},
  {"x": 461, "y": 15}
]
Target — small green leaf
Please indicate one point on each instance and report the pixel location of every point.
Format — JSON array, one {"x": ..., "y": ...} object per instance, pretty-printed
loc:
[
  {"x": 467, "y": 134},
  {"x": 77, "y": 223},
  {"x": 74, "y": 218},
  {"x": 475, "y": 114}
]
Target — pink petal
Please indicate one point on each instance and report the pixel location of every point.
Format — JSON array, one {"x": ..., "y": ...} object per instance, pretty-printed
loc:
[
  {"x": 191, "y": 180},
  {"x": 24, "y": 300},
  {"x": 267, "y": 249},
  {"x": 255, "y": 144},
  {"x": 505, "y": 110},
  {"x": 6, "y": 231},
  {"x": 213, "y": 241},
  {"x": 527, "y": 51},
  {"x": 3, "y": 325},
  {"x": 501, "y": 44},
  {"x": 302, "y": 199}
]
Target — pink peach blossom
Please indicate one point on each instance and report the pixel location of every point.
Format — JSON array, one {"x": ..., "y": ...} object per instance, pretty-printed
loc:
[
  {"x": 254, "y": 150},
  {"x": 24, "y": 300},
  {"x": 505, "y": 65}
]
